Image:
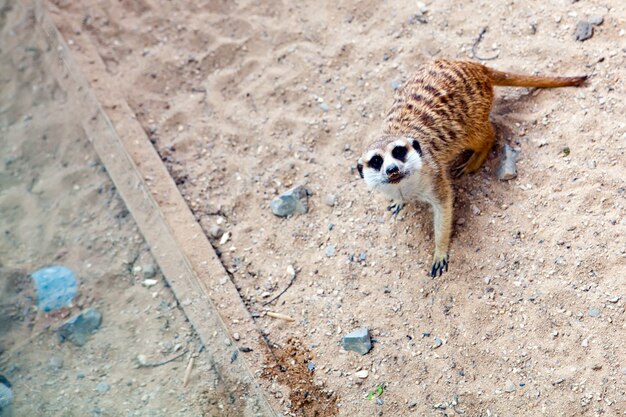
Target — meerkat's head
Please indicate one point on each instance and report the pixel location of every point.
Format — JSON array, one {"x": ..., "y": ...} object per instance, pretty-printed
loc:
[{"x": 389, "y": 160}]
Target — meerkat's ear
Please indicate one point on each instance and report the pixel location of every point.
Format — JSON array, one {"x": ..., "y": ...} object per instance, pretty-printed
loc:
[
  {"x": 416, "y": 146},
  {"x": 359, "y": 167}
]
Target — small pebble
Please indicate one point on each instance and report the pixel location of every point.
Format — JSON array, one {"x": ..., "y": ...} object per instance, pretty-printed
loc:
[
  {"x": 216, "y": 231},
  {"x": 509, "y": 386},
  {"x": 475, "y": 210},
  {"x": 324, "y": 106},
  {"x": 507, "y": 169},
  {"x": 585, "y": 343},
  {"x": 395, "y": 85},
  {"x": 149, "y": 282},
  {"x": 584, "y": 31},
  {"x": 330, "y": 250},
  {"x": 594, "y": 312},
  {"x": 358, "y": 341},
  {"x": 149, "y": 271},
  {"x": 292, "y": 201},
  {"x": 78, "y": 328},
  {"x": 438, "y": 343},
  {"x": 56, "y": 363},
  {"x": 331, "y": 200},
  {"x": 102, "y": 387},
  {"x": 362, "y": 374},
  {"x": 236, "y": 336},
  {"x": 596, "y": 20}
]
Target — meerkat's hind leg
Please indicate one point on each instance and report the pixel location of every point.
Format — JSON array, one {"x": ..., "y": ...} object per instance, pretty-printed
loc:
[
  {"x": 482, "y": 151},
  {"x": 460, "y": 163}
]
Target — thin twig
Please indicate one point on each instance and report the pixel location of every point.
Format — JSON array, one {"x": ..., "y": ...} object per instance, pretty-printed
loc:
[
  {"x": 478, "y": 40},
  {"x": 188, "y": 371},
  {"x": 155, "y": 364},
  {"x": 293, "y": 278},
  {"x": 280, "y": 316}
]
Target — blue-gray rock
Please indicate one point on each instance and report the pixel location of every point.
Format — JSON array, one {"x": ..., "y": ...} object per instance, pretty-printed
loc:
[
  {"x": 56, "y": 287},
  {"x": 324, "y": 106},
  {"x": 596, "y": 20},
  {"x": 6, "y": 397},
  {"x": 507, "y": 169},
  {"x": 78, "y": 328},
  {"x": 358, "y": 341},
  {"x": 395, "y": 84},
  {"x": 594, "y": 312},
  {"x": 584, "y": 31},
  {"x": 438, "y": 343},
  {"x": 330, "y": 250},
  {"x": 149, "y": 271},
  {"x": 55, "y": 363},
  {"x": 291, "y": 202},
  {"x": 102, "y": 387}
]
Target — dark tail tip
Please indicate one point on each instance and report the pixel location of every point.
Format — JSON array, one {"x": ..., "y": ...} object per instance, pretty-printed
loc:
[{"x": 577, "y": 81}]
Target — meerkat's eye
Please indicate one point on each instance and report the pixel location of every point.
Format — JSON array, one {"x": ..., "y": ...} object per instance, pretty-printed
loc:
[
  {"x": 399, "y": 152},
  {"x": 416, "y": 146},
  {"x": 376, "y": 162}
]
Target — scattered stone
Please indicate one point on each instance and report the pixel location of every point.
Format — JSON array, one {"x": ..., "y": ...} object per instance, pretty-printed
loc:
[
  {"x": 508, "y": 158},
  {"x": 363, "y": 256},
  {"x": 149, "y": 282},
  {"x": 245, "y": 349},
  {"x": 102, "y": 387},
  {"x": 594, "y": 312},
  {"x": 149, "y": 271},
  {"x": 324, "y": 106},
  {"x": 311, "y": 366},
  {"x": 330, "y": 250},
  {"x": 331, "y": 200},
  {"x": 364, "y": 373},
  {"x": 216, "y": 231},
  {"x": 558, "y": 381},
  {"x": 6, "y": 397},
  {"x": 475, "y": 210},
  {"x": 395, "y": 84},
  {"x": 358, "y": 341},
  {"x": 614, "y": 299},
  {"x": 379, "y": 401},
  {"x": 585, "y": 343},
  {"x": 509, "y": 386},
  {"x": 461, "y": 372},
  {"x": 79, "y": 327},
  {"x": 56, "y": 363},
  {"x": 412, "y": 404},
  {"x": 438, "y": 343},
  {"x": 225, "y": 238},
  {"x": 236, "y": 336},
  {"x": 596, "y": 20},
  {"x": 596, "y": 366},
  {"x": 290, "y": 202},
  {"x": 584, "y": 31},
  {"x": 56, "y": 287}
]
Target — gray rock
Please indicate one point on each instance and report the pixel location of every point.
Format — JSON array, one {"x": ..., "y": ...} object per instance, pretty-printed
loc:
[
  {"x": 216, "y": 231},
  {"x": 358, "y": 341},
  {"x": 324, "y": 106},
  {"x": 331, "y": 200},
  {"x": 363, "y": 256},
  {"x": 149, "y": 271},
  {"x": 395, "y": 84},
  {"x": 102, "y": 387},
  {"x": 438, "y": 343},
  {"x": 509, "y": 386},
  {"x": 584, "y": 31},
  {"x": 508, "y": 158},
  {"x": 596, "y": 20},
  {"x": 6, "y": 397},
  {"x": 79, "y": 327},
  {"x": 330, "y": 250},
  {"x": 56, "y": 363},
  {"x": 290, "y": 202},
  {"x": 594, "y": 312}
]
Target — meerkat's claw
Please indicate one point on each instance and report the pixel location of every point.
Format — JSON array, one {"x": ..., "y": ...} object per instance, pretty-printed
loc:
[
  {"x": 438, "y": 266},
  {"x": 395, "y": 208}
]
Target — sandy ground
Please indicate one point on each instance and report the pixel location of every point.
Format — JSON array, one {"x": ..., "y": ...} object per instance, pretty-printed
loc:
[
  {"x": 59, "y": 207},
  {"x": 244, "y": 99}
]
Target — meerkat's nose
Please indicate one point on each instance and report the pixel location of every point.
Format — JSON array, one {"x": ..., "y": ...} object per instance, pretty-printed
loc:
[{"x": 392, "y": 169}]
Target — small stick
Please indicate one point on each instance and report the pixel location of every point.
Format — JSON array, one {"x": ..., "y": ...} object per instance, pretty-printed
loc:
[
  {"x": 188, "y": 371},
  {"x": 478, "y": 40},
  {"x": 293, "y": 278},
  {"x": 280, "y": 316},
  {"x": 155, "y": 364}
]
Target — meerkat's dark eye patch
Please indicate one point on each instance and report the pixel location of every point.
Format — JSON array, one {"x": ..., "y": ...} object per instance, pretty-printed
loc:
[
  {"x": 376, "y": 162},
  {"x": 399, "y": 152},
  {"x": 417, "y": 147}
]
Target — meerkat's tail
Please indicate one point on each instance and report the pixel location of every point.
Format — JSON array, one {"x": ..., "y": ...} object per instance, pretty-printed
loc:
[{"x": 507, "y": 79}]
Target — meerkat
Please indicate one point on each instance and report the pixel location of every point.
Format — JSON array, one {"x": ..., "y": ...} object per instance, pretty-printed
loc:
[{"x": 438, "y": 118}]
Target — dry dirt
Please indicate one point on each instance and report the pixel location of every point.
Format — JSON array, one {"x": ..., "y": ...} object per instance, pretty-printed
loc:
[
  {"x": 59, "y": 207},
  {"x": 245, "y": 99}
]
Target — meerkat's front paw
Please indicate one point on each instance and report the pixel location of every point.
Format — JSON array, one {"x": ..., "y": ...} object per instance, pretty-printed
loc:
[
  {"x": 440, "y": 263},
  {"x": 395, "y": 208}
]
